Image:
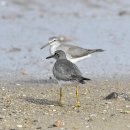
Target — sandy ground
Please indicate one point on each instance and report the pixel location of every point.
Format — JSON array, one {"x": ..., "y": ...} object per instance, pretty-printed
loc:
[
  {"x": 32, "y": 105},
  {"x": 28, "y": 101}
]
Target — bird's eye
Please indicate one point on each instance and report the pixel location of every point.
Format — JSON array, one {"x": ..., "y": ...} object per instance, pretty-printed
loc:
[
  {"x": 54, "y": 39},
  {"x": 57, "y": 54}
]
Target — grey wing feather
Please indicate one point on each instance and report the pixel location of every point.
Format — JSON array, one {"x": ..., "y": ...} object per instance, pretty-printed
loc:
[
  {"x": 75, "y": 51},
  {"x": 64, "y": 70}
]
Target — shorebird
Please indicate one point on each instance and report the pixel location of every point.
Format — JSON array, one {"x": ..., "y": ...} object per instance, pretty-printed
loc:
[
  {"x": 73, "y": 53},
  {"x": 65, "y": 70}
]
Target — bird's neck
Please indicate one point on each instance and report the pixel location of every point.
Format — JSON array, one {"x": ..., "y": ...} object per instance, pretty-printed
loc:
[
  {"x": 62, "y": 58},
  {"x": 54, "y": 46}
]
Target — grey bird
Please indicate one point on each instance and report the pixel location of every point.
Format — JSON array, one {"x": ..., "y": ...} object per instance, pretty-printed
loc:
[
  {"x": 73, "y": 53},
  {"x": 65, "y": 70}
]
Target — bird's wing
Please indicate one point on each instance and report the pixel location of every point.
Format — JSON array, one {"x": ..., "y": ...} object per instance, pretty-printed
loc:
[
  {"x": 77, "y": 52},
  {"x": 65, "y": 70},
  {"x": 72, "y": 51}
]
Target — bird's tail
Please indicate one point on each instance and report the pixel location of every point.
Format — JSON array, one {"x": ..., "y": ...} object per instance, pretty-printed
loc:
[
  {"x": 80, "y": 79},
  {"x": 98, "y": 50},
  {"x": 90, "y": 51}
]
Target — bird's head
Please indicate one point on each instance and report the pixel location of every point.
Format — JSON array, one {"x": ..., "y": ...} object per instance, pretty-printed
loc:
[
  {"x": 52, "y": 41},
  {"x": 59, "y": 54},
  {"x": 56, "y": 40}
]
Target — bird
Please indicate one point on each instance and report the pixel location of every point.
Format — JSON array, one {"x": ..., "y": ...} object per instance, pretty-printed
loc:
[
  {"x": 65, "y": 70},
  {"x": 73, "y": 53}
]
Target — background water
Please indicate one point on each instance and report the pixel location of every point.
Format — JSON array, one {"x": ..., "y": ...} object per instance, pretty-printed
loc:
[{"x": 26, "y": 25}]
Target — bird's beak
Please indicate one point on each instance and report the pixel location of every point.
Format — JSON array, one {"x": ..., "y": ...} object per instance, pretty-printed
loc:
[
  {"x": 50, "y": 56},
  {"x": 45, "y": 45}
]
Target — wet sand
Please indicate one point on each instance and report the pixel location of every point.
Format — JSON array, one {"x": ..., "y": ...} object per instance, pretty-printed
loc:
[{"x": 31, "y": 105}]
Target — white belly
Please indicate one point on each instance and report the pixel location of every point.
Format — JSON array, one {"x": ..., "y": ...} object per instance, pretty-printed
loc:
[{"x": 74, "y": 60}]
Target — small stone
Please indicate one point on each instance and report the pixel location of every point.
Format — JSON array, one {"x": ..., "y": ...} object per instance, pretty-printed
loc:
[
  {"x": 35, "y": 120},
  {"x": 113, "y": 115},
  {"x": 113, "y": 95},
  {"x": 18, "y": 84},
  {"x": 93, "y": 115},
  {"x": 24, "y": 95},
  {"x": 104, "y": 110},
  {"x": 51, "y": 105},
  {"x": 20, "y": 126},
  {"x": 39, "y": 128},
  {"x": 125, "y": 112},
  {"x": 103, "y": 118},
  {"x": 58, "y": 123}
]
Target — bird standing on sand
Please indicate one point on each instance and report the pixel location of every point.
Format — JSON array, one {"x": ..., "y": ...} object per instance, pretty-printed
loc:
[
  {"x": 73, "y": 53},
  {"x": 66, "y": 71}
]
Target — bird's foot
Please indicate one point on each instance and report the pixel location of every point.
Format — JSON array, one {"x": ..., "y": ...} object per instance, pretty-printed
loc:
[
  {"x": 77, "y": 105},
  {"x": 60, "y": 103}
]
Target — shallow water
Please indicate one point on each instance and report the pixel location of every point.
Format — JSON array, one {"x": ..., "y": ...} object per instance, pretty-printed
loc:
[{"x": 26, "y": 25}]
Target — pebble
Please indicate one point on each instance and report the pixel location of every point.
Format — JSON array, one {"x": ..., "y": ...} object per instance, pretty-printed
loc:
[
  {"x": 103, "y": 118},
  {"x": 58, "y": 123},
  {"x": 125, "y": 112},
  {"x": 20, "y": 126},
  {"x": 51, "y": 105},
  {"x": 93, "y": 115},
  {"x": 35, "y": 120},
  {"x": 112, "y": 95},
  {"x": 39, "y": 128},
  {"x": 18, "y": 84},
  {"x": 104, "y": 111}
]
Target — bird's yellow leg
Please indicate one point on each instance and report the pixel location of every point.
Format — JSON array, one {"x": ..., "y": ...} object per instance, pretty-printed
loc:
[
  {"x": 77, "y": 97},
  {"x": 61, "y": 95}
]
